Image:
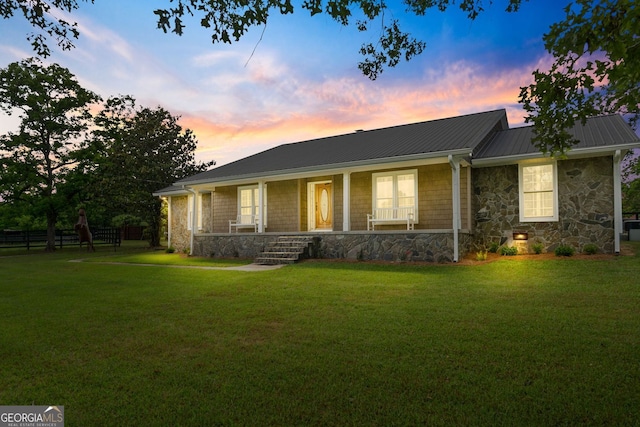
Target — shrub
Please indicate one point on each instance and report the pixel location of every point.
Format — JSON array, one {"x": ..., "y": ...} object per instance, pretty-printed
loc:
[
  {"x": 509, "y": 250},
  {"x": 481, "y": 255},
  {"x": 590, "y": 249},
  {"x": 170, "y": 250},
  {"x": 125, "y": 219},
  {"x": 564, "y": 250},
  {"x": 537, "y": 248},
  {"x": 493, "y": 247}
]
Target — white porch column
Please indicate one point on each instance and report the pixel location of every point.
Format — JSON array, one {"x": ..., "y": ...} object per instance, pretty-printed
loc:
[
  {"x": 455, "y": 181},
  {"x": 617, "y": 199},
  {"x": 194, "y": 217},
  {"x": 346, "y": 201},
  {"x": 260, "y": 206}
]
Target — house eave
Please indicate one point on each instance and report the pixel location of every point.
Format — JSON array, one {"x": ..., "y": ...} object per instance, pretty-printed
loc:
[
  {"x": 333, "y": 169},
  {"x": 576, "y": 153},
  {"x": 170, "y": 193}
]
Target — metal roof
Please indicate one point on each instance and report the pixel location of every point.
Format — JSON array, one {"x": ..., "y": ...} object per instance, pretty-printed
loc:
[
  {"x": 172, "y": 190},
  {"x": 598, "y": 133},
  {"x": 485, "y": 136},
  {"x": 428, "y": 139}
]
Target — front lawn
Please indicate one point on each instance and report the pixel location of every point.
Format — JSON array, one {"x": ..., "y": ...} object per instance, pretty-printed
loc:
[
  {"x": 162, "y": 258},
  {"x": 510, "y": 342}
]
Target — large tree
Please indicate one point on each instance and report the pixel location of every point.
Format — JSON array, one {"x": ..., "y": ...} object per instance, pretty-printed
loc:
[
  {"x": 595, "y": 48},
  {"x": 631, "y": 183},
  {"x": 54, "y": 115},
  {"x": 46, "y": 22},
  {"x": 140, "y": 151},
  {"x": 596, "y": 70}
]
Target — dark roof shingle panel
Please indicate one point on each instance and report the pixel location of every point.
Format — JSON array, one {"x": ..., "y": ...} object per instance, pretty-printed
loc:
[
  {"x": 436, "y": 136},
  {"x": 598, "y": 132}
]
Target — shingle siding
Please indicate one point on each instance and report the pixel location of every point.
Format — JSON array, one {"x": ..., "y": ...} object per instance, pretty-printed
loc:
[
  {"x": 282, "y": 206},
  {"x": 225, "y": 207},
  {"x": 361, "y": 199}
]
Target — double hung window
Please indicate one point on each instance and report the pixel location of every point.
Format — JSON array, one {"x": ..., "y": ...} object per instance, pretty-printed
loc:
[
  {"x": 538, "y": 192},
  {"x": 190, "y": 211},
  {"x": 395, "y": 194},
  {"x": 248, "y": 204}
]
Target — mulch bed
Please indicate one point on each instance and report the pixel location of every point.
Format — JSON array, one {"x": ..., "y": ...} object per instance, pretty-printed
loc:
[{"x": 470, "y": 259}]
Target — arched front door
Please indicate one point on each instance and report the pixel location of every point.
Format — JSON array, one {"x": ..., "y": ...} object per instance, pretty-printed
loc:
[{"x": 322, "y": 217}]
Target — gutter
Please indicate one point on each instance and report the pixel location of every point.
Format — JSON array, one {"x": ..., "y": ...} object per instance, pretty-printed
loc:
[
  {"x": 332, "y": 169},
  {"x": 574, "y": 153}
]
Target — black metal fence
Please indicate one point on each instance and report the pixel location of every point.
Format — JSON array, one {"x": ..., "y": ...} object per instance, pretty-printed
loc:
[
  {"x": 631, "y": 215},
  {"x": 38, "y": 238}
]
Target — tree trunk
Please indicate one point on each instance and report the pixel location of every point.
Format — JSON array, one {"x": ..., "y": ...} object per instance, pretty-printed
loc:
[
  {"x": 52, "y": 218},
  {"x": 155, "y": 223}
]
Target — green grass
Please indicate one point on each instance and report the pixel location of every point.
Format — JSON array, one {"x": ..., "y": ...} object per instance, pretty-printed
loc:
[
  {"x": 161, "y": 258},
  {"x": 511, "y": 342}
]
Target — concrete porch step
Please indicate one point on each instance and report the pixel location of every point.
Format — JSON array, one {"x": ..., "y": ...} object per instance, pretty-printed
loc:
[{"x": 285, "y": 250}]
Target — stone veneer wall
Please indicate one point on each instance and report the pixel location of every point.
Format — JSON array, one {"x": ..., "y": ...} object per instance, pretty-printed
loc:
[
  {"x": 387, "y": 246},
  {"x": 585, "y": 215},
  {"x": 180, "y": 235}
]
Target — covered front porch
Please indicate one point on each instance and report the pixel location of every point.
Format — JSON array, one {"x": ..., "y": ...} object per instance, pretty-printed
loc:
[{"x": 421, "y": 210}]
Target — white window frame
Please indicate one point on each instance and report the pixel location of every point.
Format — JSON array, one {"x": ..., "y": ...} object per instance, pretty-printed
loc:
[
  {"x": 554, "y": 191},
  {"x": 254, "y": 201},
  {"x": 190, "y": 211},
  {"x": 394, "y": 175}
]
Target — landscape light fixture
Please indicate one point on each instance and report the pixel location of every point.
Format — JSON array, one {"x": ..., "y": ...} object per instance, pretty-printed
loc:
[{"x": 520, "y": 236}]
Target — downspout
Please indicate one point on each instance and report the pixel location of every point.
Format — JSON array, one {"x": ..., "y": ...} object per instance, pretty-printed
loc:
[
  {"x": 194, "y": 217},
  {"x": 169, "y": 218},
  {"x": 617, "y": 199},
  {"x": 455, "y": 178},
  {"x": 469, "y": 200}
]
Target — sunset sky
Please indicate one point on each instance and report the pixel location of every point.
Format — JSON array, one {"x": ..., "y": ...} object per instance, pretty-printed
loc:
[{"x": 302, "y": 81}]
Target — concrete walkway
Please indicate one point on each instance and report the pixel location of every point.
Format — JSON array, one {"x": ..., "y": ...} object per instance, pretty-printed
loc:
[{"x": 248, "y": 267}]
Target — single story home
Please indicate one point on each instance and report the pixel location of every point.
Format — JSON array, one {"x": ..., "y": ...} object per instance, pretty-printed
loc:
[{"x": 429, "y": 191}]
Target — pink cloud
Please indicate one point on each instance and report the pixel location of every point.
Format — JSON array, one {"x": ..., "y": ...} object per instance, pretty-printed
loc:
[
  {"x": 304, "y": 109},
  {"x": 238, "y": 105}
]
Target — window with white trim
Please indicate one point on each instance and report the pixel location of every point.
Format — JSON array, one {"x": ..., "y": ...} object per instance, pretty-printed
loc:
[
  {"x": 190, "y": 211},
  {"x": 396, "y": 194},
  {"x": 538, "y": 192},
  {"x": 248, "y": 199}
]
